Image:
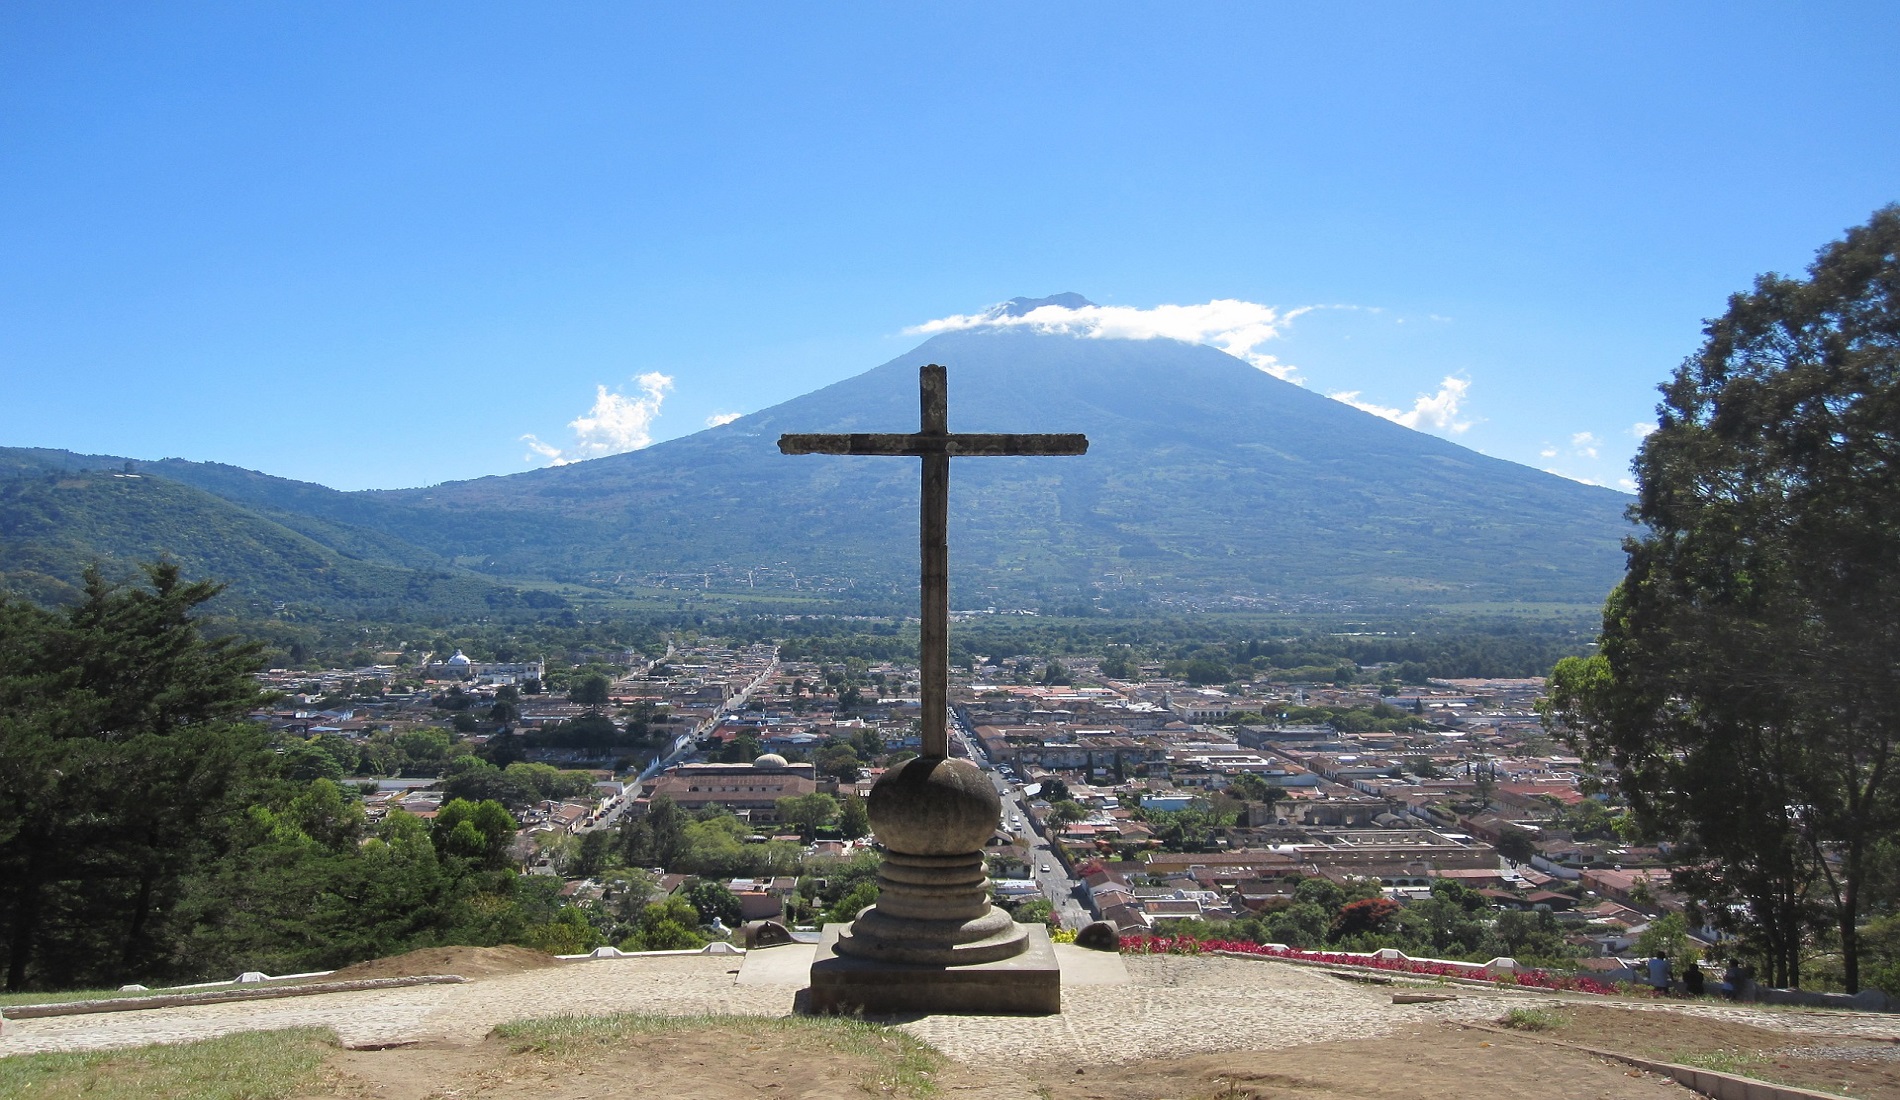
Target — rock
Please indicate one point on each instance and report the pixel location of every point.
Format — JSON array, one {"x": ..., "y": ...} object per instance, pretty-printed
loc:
[
  {"x": 1099, "y": 936},
  {"x": 766, "y": 933}
]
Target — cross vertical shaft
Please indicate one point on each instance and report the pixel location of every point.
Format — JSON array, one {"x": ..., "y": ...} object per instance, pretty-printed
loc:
[
  {"x": 936, "y": 446},
  {"x": 933, "y": 536}
]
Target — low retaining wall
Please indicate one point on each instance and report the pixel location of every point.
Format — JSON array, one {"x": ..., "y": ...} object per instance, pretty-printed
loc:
[{"x": 217, "y": 996}]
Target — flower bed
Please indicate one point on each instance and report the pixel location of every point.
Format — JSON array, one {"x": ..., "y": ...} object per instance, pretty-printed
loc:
[{"x": 1391, "y": 960}]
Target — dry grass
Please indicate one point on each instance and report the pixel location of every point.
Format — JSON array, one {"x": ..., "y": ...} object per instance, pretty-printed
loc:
[
  {"x": 904, "y": 1066},
  {"x": 257, "y": 1065}
]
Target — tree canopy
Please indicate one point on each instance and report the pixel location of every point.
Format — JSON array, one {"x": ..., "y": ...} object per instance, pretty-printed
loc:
[{"x": 1745, "y": 689}]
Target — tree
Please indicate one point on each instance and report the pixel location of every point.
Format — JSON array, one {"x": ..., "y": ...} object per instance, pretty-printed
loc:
[
  {"x": 1744, "y": 687},
  {"x": 657, "y": 839},
  {"x": 590, "y": 690},
  {"x": 592, "y": 854},
  {"x": 840, "y": 761},
  {"x": 1067, "y": 812},
  {"x": 1251, "y": 788},
  {"x": 1367, "y": 915},
  {"x": 479, "y": 832},
  {"x": 854, "y": 818},
  {"x": 1053, "y": 790},
  {"x": 713, "y": 901},
  {"x": 847, "y": 907},
  {"x": 808, "y": 811},
  {"x": 122, "y": 754},
  {"x": 1517, "y": 845}
]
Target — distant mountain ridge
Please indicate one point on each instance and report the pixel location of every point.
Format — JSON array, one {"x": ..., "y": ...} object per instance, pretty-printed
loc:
[{"x": 1207, "y": 480}]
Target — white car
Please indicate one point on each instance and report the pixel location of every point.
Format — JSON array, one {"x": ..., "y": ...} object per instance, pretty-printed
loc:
[{"x": 1045, "y": 869}]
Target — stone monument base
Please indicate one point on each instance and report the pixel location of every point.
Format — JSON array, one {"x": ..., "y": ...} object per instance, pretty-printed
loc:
[{"x": 1028, "y": 984}]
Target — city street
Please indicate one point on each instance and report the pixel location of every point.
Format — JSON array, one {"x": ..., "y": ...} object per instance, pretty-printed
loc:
[{"x": 1056, "y": 884}]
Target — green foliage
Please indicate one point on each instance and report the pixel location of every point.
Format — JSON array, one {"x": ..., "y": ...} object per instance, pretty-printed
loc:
[
  {"x": 252, "y": 1065},
  {"x": 1667, "y": 935},
  {"x": 854, "y": 818},
  {"x": 847, "y": 906},
  {"x": 479, "y": 832},
  {"x": 808, "y": 812},
  {"x": 667, "y": 925},
  {"x": 1530, "y": 1019},
  {"x": 713, "y": 900},
  {"x": 569, "y": 933},
  {"x": 1743, "y": 689},
  {"x": 121, "y": 756}
]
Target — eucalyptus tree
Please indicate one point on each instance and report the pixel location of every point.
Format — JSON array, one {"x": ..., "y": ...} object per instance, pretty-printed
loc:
[{"x": 1747, "y": 692}]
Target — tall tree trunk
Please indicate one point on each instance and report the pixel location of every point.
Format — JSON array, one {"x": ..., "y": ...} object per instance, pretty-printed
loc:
[
  {"x": 132, "y": 951},
  {"x": 26, "y": 926}
]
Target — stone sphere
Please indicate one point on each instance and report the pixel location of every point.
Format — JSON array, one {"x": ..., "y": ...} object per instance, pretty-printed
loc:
[{"x": 931, "y": 806}]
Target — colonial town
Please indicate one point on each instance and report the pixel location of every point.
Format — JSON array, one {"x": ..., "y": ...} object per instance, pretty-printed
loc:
[{"x": 1036, "y": 552}]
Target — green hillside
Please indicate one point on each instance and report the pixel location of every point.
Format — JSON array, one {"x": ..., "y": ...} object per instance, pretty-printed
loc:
[{"x": 54, "y": 522}]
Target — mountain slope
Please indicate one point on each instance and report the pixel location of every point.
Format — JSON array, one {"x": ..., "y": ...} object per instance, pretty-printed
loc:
[
  {"x": 1206, "y": 479},
  {"x": 1204, "y": 476},
  {"x": 61, "y": 512}
]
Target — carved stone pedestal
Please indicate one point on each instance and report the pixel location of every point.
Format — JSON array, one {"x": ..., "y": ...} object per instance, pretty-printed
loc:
[{"x": 933, "y": 942}]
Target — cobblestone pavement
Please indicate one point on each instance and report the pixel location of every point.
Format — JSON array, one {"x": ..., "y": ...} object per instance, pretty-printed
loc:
[{"x": 1165, "y": 1010}]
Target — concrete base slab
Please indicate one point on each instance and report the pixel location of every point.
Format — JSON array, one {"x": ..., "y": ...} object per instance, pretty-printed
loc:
[
  {"x": 1028, "y": 984},
  {"x": 785, "y": 964},
  {"x": 1083, "y": 966}
]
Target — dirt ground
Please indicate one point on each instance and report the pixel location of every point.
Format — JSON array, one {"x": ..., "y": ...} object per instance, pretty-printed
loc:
[
  {"x": 469, "y": 962},
  {"x": 1434, "y": 1062},
  {"x": 681, "y": 1065},
  {"x": 1859, "y": 1068},
  {"x": 1439, "y": 1062}
]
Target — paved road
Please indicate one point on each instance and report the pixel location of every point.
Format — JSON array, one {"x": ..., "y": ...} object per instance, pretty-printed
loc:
[{"x": 1056, "y": 884}]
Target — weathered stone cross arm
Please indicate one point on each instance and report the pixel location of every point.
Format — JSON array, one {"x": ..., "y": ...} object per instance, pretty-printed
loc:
[
  {"x": 936, "y": 445},
  {"x": 960, "y": 445}
]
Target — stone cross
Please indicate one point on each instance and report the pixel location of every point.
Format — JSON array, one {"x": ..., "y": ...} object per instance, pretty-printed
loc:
[{"x": 935, "y": 444}]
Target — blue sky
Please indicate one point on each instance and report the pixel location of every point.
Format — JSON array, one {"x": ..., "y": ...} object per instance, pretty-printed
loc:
[{"x": 376, "y": 245}]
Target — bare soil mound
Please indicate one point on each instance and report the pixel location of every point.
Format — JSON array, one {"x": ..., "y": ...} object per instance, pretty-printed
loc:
[
  {"x": 697, "y": 1058},
  {"x": 1436, "y": 1062},
  {"x": 1857, "y": 1067},
  {"x": 469, "y": 962}
]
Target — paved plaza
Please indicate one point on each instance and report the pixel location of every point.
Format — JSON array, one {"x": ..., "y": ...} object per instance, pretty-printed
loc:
[{"x": 1167, "y": 1006}]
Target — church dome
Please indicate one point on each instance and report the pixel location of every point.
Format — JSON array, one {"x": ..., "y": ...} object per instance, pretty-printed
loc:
[
  {"x": 460, "y": 658},
  {"x": 770, "y": 760}
]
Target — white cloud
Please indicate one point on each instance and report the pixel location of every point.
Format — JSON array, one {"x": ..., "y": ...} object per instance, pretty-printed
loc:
[
  {"x": 1548, "y": 452},
  {"x": 1585, "y": 444},
  {"x": 716, "y": 419},
  {"x": 1628, "y": 483},
  {"x": 616, "y": 423},
  {"x": 1233, "y": 326},
  {"x": 1437, "y": 410},
  {"x": 1642, "y": 429}
]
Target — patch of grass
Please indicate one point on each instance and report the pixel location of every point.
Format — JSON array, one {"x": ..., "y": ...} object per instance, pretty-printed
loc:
[
  {"x": 1741, "y": 1063},
  {"x": 905, "y": 1066},
  {"x": 8, "y": 999},
  {"x": 1531, "y": 1019},
  {"x": 256, "y": 1065}
]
